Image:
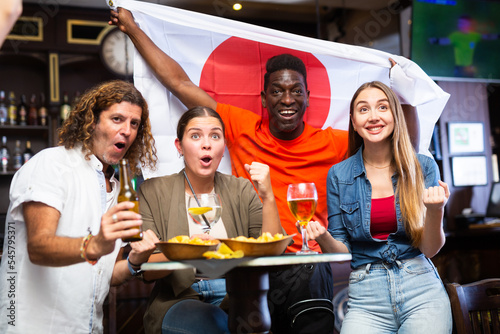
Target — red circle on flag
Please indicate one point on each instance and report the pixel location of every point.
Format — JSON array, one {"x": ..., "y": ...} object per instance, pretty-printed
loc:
[{"x": 234, "y": 74}]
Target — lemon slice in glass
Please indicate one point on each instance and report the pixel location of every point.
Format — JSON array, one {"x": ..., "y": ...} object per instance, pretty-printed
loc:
[{"x": 200, "y": 210}]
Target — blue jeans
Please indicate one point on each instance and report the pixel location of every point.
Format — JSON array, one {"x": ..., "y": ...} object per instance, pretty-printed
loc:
[
  {"x": 212, "y": 291},
  {"x": 195, "y": 316},
  {"x": 404, "y": 297}
]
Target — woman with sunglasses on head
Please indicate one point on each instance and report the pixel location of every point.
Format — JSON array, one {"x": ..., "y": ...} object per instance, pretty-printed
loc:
[{"x": 385, "y": 207}]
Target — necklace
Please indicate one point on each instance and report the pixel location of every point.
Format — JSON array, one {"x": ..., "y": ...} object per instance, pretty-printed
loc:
[{"x": 383, "y": 167}]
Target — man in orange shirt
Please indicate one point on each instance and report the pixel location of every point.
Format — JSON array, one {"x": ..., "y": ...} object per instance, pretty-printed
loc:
[{"x": 294, "y": 151}]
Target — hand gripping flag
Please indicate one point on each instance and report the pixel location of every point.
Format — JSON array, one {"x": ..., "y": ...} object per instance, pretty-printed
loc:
[{"x": 227, "y": 59}]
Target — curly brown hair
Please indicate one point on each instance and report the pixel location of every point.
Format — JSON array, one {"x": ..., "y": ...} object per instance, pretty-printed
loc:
[{"x": 80, "y": 125}]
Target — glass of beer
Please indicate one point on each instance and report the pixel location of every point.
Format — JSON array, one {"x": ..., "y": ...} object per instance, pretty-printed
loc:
[
  {"x": 302, "y": 200},
  {"x": 205, "y": 209}
]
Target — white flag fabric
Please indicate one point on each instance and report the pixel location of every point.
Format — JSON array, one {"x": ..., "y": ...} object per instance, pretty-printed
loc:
[{"x": 227, "y": 59}]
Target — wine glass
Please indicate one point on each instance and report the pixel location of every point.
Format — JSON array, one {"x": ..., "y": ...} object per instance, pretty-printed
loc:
[
  {"x": 205, "y": 209},
  {"x": 302, "y": 200}
]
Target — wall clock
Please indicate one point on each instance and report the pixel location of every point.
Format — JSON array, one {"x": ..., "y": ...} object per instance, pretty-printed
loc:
[{"x": 117, "y": 53}]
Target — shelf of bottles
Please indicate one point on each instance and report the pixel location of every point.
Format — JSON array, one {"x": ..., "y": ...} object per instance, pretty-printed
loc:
[
  {"x": 27, "y": 119},
  {"x": 19, "y": 121},
  {"x": 11, "y": 163},
  {"x": 33, "y": 113}
]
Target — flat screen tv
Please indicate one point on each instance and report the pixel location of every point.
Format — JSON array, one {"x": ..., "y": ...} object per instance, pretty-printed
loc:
[{"x": 457, "y": 40}]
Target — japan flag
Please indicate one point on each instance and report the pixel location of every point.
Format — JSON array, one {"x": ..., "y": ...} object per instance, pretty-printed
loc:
[{"x": 227, "y": 59}]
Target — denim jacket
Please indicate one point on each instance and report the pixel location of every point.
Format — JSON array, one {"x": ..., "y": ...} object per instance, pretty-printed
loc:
[{"x": 349, "y": 195}]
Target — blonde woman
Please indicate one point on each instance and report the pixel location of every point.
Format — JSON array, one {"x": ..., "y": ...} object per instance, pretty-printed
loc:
[{"x": 385, "y": 207}]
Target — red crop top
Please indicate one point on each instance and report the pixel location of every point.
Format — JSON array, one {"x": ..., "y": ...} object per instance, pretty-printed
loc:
[{"x": 383, "y": 217}]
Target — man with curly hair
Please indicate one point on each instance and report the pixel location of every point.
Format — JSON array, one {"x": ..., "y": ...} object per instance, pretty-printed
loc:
[{"x": 63, "y": 229}]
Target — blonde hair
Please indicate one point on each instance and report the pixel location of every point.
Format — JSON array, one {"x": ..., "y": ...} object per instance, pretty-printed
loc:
[{"x": 410, "y": 185}]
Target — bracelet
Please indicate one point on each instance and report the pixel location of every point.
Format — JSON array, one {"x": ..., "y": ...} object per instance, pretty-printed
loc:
[
  {"x": 131, "y": 266},
  {"x": 83, "y": 249}
]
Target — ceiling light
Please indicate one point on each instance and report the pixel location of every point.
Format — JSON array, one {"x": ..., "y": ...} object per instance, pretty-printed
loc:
[{"x": 237, "y": 6}]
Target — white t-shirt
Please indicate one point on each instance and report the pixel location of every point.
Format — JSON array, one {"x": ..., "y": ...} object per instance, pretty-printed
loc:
[{"x": 41, "y": 299}]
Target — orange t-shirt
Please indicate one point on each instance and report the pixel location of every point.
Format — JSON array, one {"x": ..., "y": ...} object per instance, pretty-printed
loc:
[{"x": 304, "y": 159}]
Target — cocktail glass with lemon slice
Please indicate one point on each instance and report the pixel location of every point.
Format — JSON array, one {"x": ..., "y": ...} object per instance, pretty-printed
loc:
[{"x": 205, "y": 209}]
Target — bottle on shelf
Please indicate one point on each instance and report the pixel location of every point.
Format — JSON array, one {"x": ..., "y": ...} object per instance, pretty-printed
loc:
[
  {"x": 76, "y": 99},
  {"x": 22, "y": 111},
  {"x": 33, "y": 111},
  {"x": 12, "y": 113},
  {"x": 65, "y": 108},
  {"x": 28, "y": 153},
  {"x": 42, "y": 111},
  {"x": 4, "y": 155},
  {"x": 17, "y": 157},
  {"x": 127, "y": 193},
  {"x": 3, "y": 109}
]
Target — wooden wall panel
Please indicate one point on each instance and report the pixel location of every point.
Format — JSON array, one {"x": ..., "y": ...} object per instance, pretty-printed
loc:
[{"x": 468, "y": 102}]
